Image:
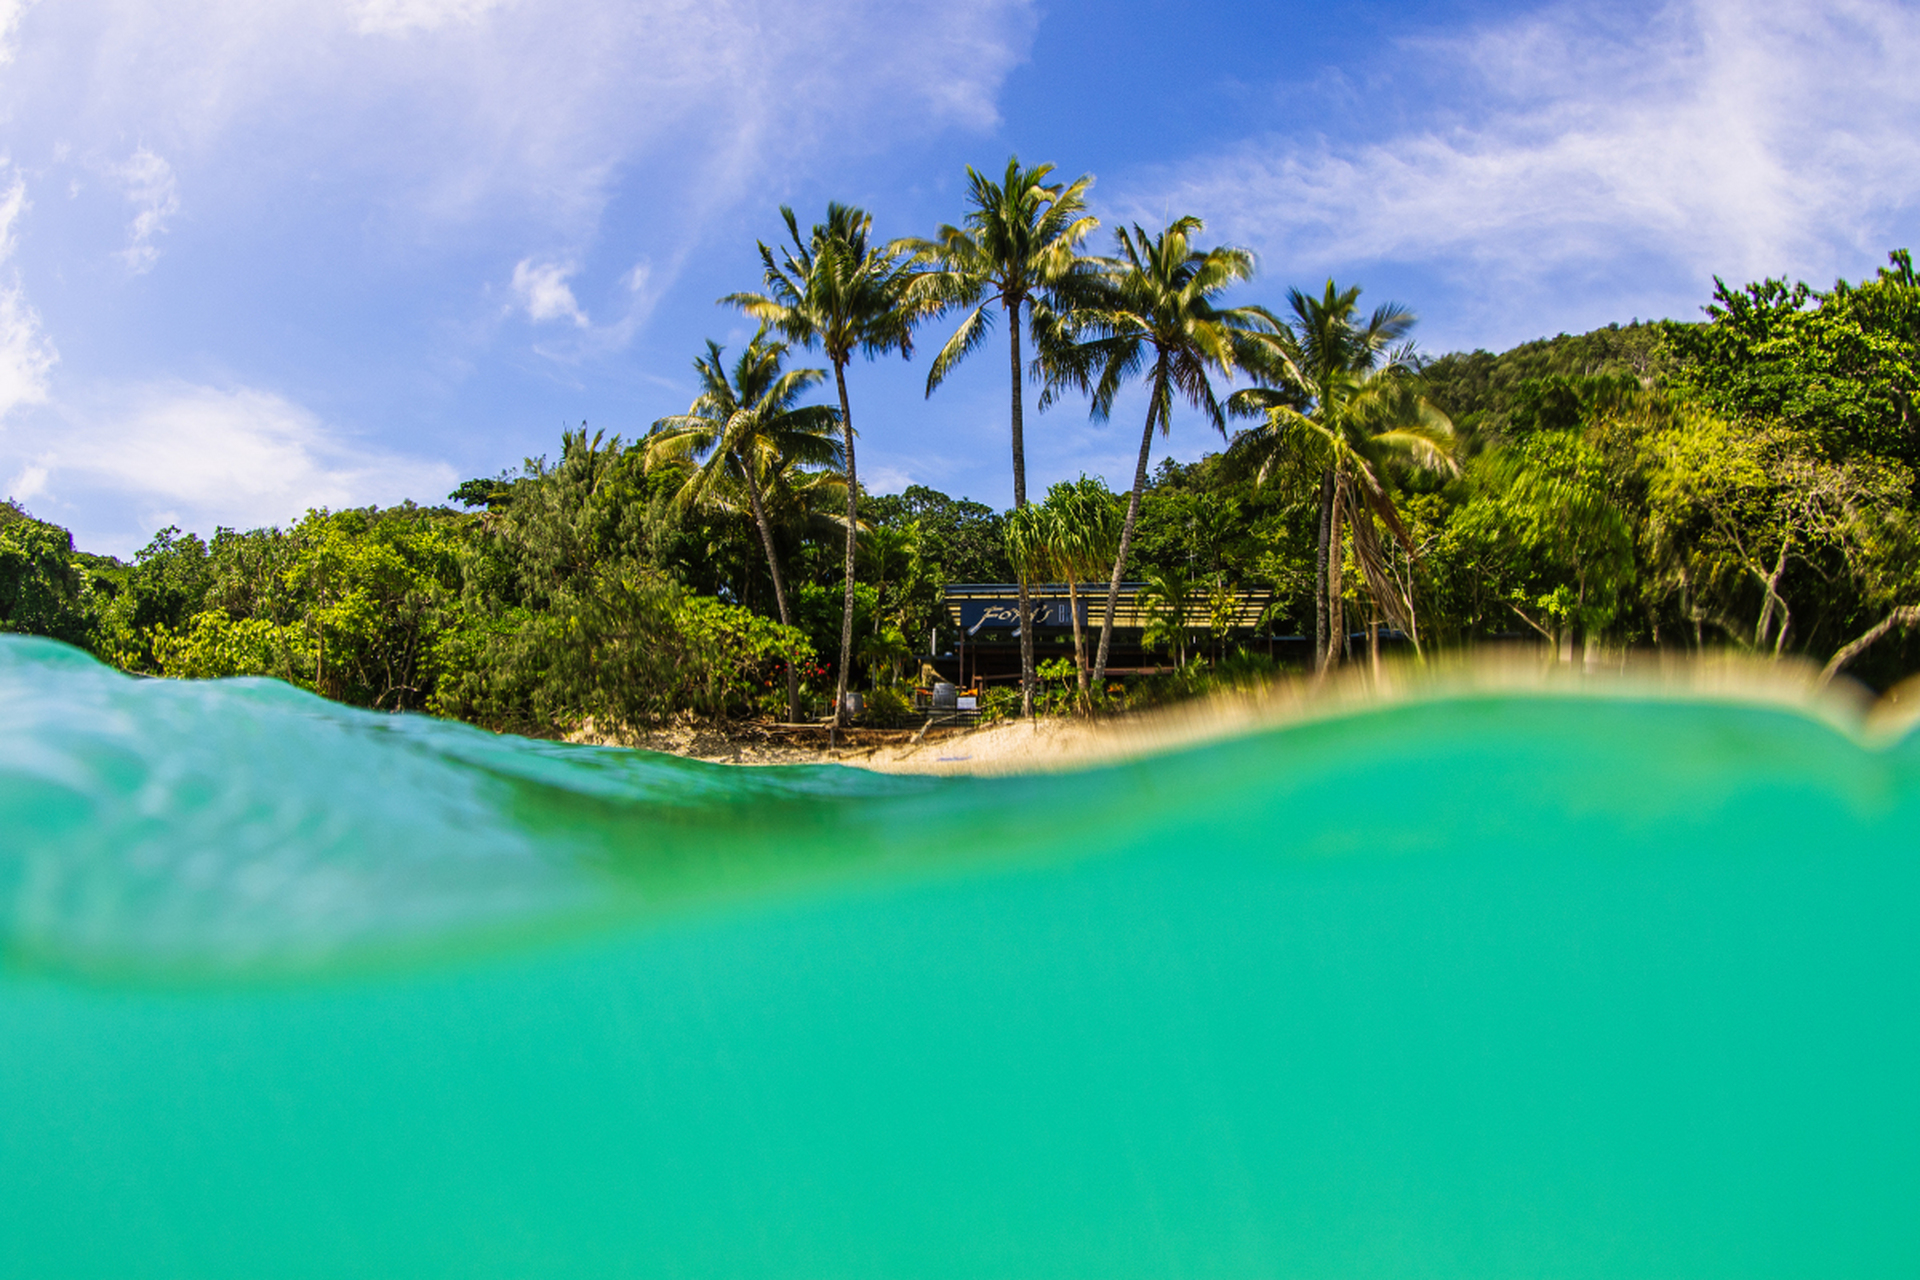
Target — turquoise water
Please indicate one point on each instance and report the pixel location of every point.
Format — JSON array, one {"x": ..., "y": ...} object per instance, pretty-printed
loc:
[{"x": 1515, "y": 986}]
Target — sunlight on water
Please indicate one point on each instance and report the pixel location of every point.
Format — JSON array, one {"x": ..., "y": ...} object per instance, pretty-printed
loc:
[{"x": 1491, "y": 985}]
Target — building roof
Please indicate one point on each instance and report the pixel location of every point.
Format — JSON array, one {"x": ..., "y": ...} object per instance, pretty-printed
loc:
[{"x": 973, "y": 606}]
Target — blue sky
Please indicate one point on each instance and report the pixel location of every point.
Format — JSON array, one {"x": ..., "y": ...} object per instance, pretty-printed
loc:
[{"x": 260, "y": 255}]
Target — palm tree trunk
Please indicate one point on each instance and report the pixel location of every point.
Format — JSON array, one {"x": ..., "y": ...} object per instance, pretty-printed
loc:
[
  {"x": 1336, "y": 603},
  {"x": 1079, "y": 643},
  {"x": 779, "y": 586},
  {"x": 1020, "y": 500},
  {"x": 853, "y": 525},
  {"x": 1320, "y": 573},
  {"x": 1154, "y": 390}
]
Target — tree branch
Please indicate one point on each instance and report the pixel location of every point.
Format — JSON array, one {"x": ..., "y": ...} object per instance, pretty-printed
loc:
[{"x": 1903, "y": 617}]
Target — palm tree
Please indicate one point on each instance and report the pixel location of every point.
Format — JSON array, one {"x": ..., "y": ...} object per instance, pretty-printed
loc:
[
  {"x": 751, "y": 435},
  {"x": 1018, "y": 246},
  {"x": 1029, "y": 536},
  {"x": 893, "y": 556},
  {"x": 1083, "y": 536},
  {"x": 836, "y": 290},
  {"x": 1167, "y": 592},
  {"x": 1344, "y": 399},
  {"x": 1156, "y": 316}
]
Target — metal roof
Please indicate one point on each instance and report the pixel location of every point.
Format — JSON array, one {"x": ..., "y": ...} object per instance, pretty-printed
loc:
[{"x": 973, "y": 605}]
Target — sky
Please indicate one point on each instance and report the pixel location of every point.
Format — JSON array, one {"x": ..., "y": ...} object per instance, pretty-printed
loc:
[{"x": 258, "y": 256}]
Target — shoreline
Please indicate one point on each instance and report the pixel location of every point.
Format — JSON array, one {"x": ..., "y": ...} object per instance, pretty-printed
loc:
[{"x": 1067, "y": 743}]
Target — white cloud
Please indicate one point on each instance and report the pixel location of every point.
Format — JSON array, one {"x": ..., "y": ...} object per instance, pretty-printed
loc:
[
  {"x": 1729, "y": 137},
  {"x": 11, "y": 11},
  {"x": 394, "y": 17},
  {"x": 26, "y": 353},
  {"x": 450, "y": 129},
  {"x": 150, "y": 187},
  {"x": 28, "y": 484},
  {"x": 199, "y": 456},
  {"x": 532, "y": 109},
  {"x": 884, "y": 479},
  {"x": 543, "y": 291}
]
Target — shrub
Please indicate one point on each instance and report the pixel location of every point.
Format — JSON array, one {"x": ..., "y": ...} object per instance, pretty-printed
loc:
[
  {"x": 1002, "y": 703},
  {"x": 42, "y": 592},
  {"x": 215, "y": 645},
  {"x": 887, "y": 708},
  {"x": 633, "y": 647}
]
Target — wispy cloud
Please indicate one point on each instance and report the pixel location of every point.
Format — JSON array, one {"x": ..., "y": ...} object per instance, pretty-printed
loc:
[
  {"x": 150, "y": 187},
  {"x": 450, "y": 124},
  {"x": 392, "y": 17},
  {"x": 433, "y": 141},
  {"x": 11, "y": 11},
  {"x": 26, "y": 353},
  {"x": 533, "y": 109},
  {"x": 28, "y": 483},
  {"x": 1721, "y": 136},
  {"x": 541, "y": 290},
  {"x": 179, "y": 452},
  {"x": 885, "y": 479}
]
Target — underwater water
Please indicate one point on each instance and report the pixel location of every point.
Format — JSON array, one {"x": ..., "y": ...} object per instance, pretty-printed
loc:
[{"x": 1482, "y": 986}]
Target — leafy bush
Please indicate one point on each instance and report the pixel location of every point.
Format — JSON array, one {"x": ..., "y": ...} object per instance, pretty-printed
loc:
[
  {"x": 1000, "y": 703},
  {"x": 887, "y": 708},
  {"x": 633, "y": 648},
  {"x": 42, "y": 591},
  {"x": 214, "y": 645}
]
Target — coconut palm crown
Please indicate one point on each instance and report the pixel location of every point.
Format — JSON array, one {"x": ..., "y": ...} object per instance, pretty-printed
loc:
[
  {"x": 1018, "y": 248},
  {"x": 836, "y": 290},
  {"x": 745, "y": 433},
  {"x": 1155, "y": 316},
  {"x": 1342, "y": 398}
]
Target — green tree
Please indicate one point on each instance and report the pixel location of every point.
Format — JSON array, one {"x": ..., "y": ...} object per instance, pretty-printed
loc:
[
  {"x": 375, "y": 588},
  {"x": 1155, "y": 316},
  {"x": 1492, "y": 397},
  {"x": 746, "y": 431},
  {"x": 1167, "y": 594},
  {"x": 1735, "y": 510},
  {"x": 42, "y": 590},
  {"x": 166, "y": 585},
  {"x": 1081, "y": 530},
  {"x": 961, "y": 539},
  {"x": 1017, "y": 250},
  {"x": 837, "y": 290},
  {"x": 1841, "y": 367},
  {"x": 1547, "y": 534},
  {"x": 1342, "y": 397}
]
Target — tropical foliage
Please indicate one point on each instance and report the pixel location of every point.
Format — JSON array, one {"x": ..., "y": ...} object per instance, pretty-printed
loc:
[
  {"x": 1154, "y": 316},
  {"x": 1342, "y": 399},
  {"x": 1744, "y": 481},
  {"x": 755, "y": 440},
  {"x": 838, "y": 290},
  {"x": 1017, "y": 249}
]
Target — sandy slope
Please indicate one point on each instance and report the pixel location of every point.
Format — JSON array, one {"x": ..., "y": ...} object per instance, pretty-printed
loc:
[{"x": 1050, "y": 745}]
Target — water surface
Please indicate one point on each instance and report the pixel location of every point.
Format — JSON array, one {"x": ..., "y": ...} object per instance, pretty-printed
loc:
[{"x": 1487, "y": 986}]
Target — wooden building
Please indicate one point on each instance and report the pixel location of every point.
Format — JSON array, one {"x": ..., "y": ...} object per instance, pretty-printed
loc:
[{"x": 979, "y": 641}]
